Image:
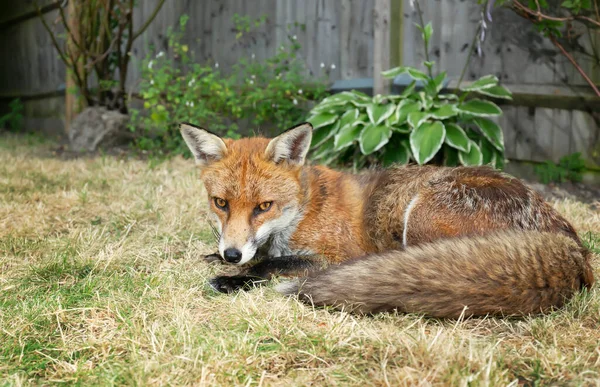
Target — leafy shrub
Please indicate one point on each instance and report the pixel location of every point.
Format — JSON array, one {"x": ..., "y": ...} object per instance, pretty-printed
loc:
[
  {"x": 420, "y": 124},
  {"x": 569, "y": 168},
  {"x": 14, "y": 118},
  {"x": 175, "y": 88}
]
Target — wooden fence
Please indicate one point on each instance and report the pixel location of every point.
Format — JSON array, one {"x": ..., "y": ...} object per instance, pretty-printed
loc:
[{"x": 547, "y": 120}]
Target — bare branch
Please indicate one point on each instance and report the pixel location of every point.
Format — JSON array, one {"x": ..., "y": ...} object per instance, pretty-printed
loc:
[
  {"x": 51, "y": 33},
  {"x": 574, "y": 63},
  {"x": 540, "y": 16},
  {"x": 150, "y": 19}
]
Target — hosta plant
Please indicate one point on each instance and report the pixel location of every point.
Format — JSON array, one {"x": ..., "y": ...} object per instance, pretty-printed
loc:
[{"x": 421, "y": 123}]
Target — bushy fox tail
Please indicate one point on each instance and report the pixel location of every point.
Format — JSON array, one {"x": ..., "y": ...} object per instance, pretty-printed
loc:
[{"x": 505, "y": 273}]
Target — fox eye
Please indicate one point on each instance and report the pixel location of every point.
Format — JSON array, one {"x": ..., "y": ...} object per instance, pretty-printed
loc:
[
  {"x": 264, "y": 206},
  {"x": 220, "y": 203}
]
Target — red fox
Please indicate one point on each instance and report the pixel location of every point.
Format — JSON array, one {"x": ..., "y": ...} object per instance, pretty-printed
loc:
[{"x": 441, "y": 241}]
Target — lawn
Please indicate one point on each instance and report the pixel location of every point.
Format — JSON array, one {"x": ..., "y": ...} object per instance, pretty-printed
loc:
[{"x": 102, "y": 282}]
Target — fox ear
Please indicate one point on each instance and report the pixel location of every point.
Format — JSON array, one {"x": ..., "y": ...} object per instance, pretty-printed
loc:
[
  {"x": 205, "y": 146},
  {"x": 291, "y": 146}
]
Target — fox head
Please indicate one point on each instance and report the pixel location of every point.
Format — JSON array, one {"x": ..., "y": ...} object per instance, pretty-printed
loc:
[{"x": 253, "y": 185}]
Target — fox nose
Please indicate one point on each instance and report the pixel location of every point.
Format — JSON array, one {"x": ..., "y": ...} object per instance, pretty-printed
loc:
[{"x": 232, "y": 255}]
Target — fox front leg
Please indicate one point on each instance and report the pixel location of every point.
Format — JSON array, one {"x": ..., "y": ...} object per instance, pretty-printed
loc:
[
  {"x": 233, "y": 283},
  {"x": 264, "y": 270}
]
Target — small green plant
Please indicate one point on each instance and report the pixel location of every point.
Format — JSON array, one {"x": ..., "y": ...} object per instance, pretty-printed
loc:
[
  {"x": 569, "y": 168},
  {"x": 14, "y": 118},
  {"x": 175, "y": 88},
  {"x": 422, "y": 123},
  {"x": 276, "y": 90}
]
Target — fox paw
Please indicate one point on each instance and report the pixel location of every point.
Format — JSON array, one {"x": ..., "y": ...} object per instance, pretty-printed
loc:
[
  {"x": 230, "y": 284},
  {"x": 213, "y": 258}
]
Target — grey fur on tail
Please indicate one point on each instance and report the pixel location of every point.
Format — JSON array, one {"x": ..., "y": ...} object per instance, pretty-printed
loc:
[{"x": 504, "y": 273}]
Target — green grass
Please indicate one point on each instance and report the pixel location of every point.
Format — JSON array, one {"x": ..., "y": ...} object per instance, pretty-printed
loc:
[{"x": 102, "y": 283}]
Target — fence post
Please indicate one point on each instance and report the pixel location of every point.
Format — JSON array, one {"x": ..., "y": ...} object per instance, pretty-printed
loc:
[
  {"x": 396, "y": 33},
  {"x": 72, "y": 100},
  {"x": 381, "y": 43}
]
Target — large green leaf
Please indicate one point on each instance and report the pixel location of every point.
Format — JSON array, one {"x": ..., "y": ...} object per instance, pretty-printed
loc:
[
  {"x": 360, "y": 99},
  {"x": 378, "y": 113},
  {"x": 426, "y": 140},
  {"x": 413, "y": 72},
  {"x": 348, "y": 118},
  {"x": 480, "y": 108},
  {"x": 430, "y": 89},
  {"x": 492, "y": 131},
  {"x": 457, "y": 138},
  {"x": 417, "y": 118},
  {"x": 391, "y": 120},
  {"x": 426, "y": 100},
  {"x": 332, "y": 103},
  {"x": 359, "y": 94},
  {"x": 362, "y": 117},
  {"x": 339, "y": 99},
  {"x": 439, "y": 81},
  {"x": 344, "y": 96},
  {"x": 394, "y": 72},
  {"x": 402, "y": 129},
  {"x": 482, "y": 83},
  {"x": 499, "y": 160},
  {"x": 408, "y": 89},
  {"x": 405, "y": 107},
  {"x": 324, "y": 150},
  {"x": 323, "y": 134},
  {"x": 396, "y": 151},
  {"x": 444, "y": 111},
  {"x": 322, "y": 119},
  {"x": 473, "y": 157},
  {"x": 488, "y": 152},
  {"x": 497, "y": 92},
  {"x": 449, "y": 97},
  {"x": 347, "y": 135},
  {"x": 373, "y": 137},
  {"x": 450, "y": 156},
  {"x": 349, "y": 129},
  {"x": 417, "y": 74}
]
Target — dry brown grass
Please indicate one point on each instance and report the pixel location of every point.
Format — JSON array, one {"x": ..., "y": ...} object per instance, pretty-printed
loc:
[{"x": 101, "y": 282}]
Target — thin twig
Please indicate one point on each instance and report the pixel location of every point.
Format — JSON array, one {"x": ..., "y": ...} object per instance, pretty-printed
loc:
[
  {"x": 539, "y": 15},
  {"x": 52, "y": 37},
  {"x": 149, "y": 20},
  {"x": 69, "y": 61},
  {"x": 424, "y": 40},
  {"x": 130, "y": 39},
  {"x": 539, "y": 9},
  {"x": 471, "y": 50},
  {"x": 95, "y": 57},
  {"x": 595, "y": 54},
  {"x": 574, "y": 63}
]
